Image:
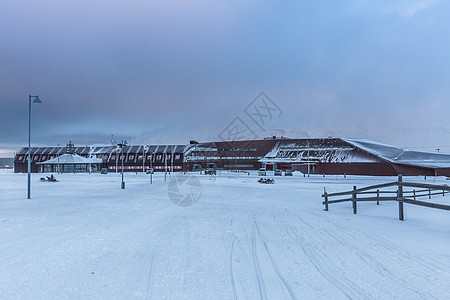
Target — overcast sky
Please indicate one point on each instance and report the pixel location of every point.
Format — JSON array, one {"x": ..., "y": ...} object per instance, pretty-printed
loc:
[{"x": 180, "y": 70}]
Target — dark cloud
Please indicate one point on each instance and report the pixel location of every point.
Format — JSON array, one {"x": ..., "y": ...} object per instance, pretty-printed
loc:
[{"x": 359, "y": 69}]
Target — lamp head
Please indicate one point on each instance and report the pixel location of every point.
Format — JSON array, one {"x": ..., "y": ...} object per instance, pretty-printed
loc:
[{"x": 37, "y": 100}]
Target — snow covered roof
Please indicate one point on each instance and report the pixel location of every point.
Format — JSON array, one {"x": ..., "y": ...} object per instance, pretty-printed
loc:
[
  {"x": 401, "y": 156},
  {"x": 71, "y": 159}
]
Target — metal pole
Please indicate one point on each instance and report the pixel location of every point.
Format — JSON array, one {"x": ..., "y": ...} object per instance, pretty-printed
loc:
[
  {"x": 400, "y": 195},
  {"x": 308, "y": 158},
  {"x": 29, "y": 147},
  {"x": 117, "y": 162},
  {"x": 57, "y": 154},
  {"x": 354, "y": 200},
  {"x": 122, "y": 186},
  {"x": 143, "y": 159},
  {"x": 151, "y": 168},
  {"x": 171, "y": 162}
]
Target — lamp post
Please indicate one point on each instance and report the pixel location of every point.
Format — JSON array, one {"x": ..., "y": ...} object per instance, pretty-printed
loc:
[
  {"x": 122, "y": 145},
  {"x": 165, "y": 165},
  {"x": 145, "y": 147},
  {"x": 308, "y": 158},
  {"x": 151, "y": 168},
  {"x": 36, "y": 100},
  {"x": 57, "y": 154}
]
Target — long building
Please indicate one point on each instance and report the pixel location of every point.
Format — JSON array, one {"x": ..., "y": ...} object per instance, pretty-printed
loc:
[
  {"x": 136, "y": 158},
  {"x": 314, "y": 156},
  {"x": 317, "y": 156}
]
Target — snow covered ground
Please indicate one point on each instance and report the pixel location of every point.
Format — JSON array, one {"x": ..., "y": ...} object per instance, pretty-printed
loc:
[{"x": 85, "y": 238}]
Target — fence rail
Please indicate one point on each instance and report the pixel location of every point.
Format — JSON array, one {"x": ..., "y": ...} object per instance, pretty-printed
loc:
[{"x": 401, "y": 196}]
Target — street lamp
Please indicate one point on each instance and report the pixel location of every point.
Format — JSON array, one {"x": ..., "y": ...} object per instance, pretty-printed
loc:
[
  {"x": 151, "y": 167},
  {"x": 36, "y": 100},
  {"x": 122, "y": 145},
  {"x": 144, "y": 148},
  {"x": 57, "y": 154}
]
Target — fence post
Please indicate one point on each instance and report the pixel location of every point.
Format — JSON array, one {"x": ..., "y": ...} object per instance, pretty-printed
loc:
[
  {"x": 429, "y": 193},
  {"x": 400, "y": 195},
  {"x": 378, "y": 196},
  {"x": 326, "y": 199},
  {"x": 354, "y": 200},
  {"x": 414, "y": 193}
]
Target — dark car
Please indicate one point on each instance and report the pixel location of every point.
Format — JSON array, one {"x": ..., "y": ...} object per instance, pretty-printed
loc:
[{"x": 210, "y": 172}]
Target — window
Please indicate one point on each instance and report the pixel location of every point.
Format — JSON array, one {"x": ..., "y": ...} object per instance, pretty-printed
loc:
[
  {"x": 168, "y": 156},
  {"x": 113, "y": 157},
  {"x": 158, "y": 157},
  {"x": 177, "y": 157},
  {"x": 140, "y": 157},
  {"x": 21, "y": 157},
  {"x": 131, "y": 157}
]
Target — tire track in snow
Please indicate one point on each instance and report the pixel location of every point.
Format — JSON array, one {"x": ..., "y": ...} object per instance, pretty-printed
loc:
[
  {"x": 259, "y": 279},
  {"x": 374, "y": 263},
  {"x": 427, "y": 262},
  {"x": 341, "y": 283},
  {"x": 233, "y": 285},
  {"x": 274, "y": 265},
  {"x": 245, "y": 255},
  {"x": 346, "y": 240},
  {"x": 187, "y": 247},
  {"x": 150, "y": 279}
]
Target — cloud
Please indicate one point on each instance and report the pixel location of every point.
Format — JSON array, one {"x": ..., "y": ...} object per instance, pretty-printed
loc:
[
  {"x": 130, "y": 67},
  {"x": 405, "y": 8}
]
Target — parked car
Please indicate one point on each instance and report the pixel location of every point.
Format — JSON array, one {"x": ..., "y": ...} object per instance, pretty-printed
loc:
[
  {"x": 277, "y": 172},
  {"x": 288, "y": 173},
  {"x": 262, "y": 172},
  {"x": 210, "y": 172},
  {"x": 150, "y": 171},
  {"x": 104, "y": 171}
]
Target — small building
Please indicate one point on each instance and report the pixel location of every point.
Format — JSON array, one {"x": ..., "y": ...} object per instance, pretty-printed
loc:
[{"x": 70, "y": 162}]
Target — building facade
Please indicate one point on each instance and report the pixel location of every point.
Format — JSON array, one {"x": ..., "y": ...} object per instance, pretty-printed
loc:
[
  {"x": 136, "y": 158},
  {"x": 313, "y": 156}
]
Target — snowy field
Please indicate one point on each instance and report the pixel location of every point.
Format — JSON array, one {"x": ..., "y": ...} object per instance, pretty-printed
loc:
[{"x": 85, "y": 238}]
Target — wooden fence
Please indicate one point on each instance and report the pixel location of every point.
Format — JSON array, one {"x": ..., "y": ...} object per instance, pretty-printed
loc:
[{"x": 401, "y": 195}]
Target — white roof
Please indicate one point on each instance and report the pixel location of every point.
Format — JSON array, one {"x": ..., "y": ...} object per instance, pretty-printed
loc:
[
  {"x": 71, "y": 159},
  {"x": 401, "y": 156}
]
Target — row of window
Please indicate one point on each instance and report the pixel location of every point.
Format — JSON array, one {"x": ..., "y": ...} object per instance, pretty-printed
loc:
[
  {"x": 220, "y": 157},
  {"x": 113, "y": 157},
  {"x": 200, "y": 149},
  {"x": 36, "y": 157},
  {"x": 139, "y": 157},
  {"x": 146, "y": 167}
]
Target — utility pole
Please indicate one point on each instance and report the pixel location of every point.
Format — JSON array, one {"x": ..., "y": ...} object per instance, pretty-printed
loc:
[
  {"x": 122, "y": 145},
  {"x": 308, "y": 157},
  {"x": 143, "y": 159},
  {"x": 151, "y": 168},
  {"x": 165, "y": 166},
  {"x": 57, "y": 154}
]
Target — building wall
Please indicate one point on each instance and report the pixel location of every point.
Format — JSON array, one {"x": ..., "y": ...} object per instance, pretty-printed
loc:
[
  {"x": 133, "y": 157},
  {"x": 241, "y": 155}
]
